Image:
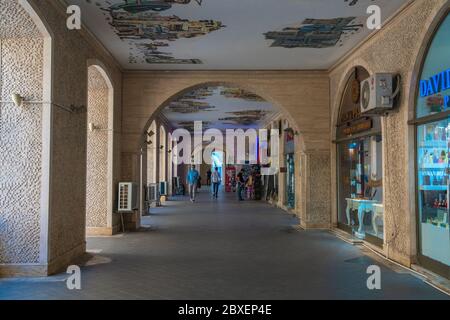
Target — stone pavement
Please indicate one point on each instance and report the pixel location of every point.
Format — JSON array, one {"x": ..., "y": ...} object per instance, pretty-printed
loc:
[{"x": 222, "y": 249}]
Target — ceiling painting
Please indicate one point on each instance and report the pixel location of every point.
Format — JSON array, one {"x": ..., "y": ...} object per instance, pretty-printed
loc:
[
  {"x": 230, "y": 34},
  {"x": 226, "y": 108}
]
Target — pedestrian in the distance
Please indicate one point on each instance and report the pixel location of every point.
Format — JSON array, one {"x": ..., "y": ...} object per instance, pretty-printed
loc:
[
  {"x": 215, "y": 178},
  {"x": 240, "y": 184},
  {"x": 208, "y": 177},
  {"x": 192, "y": 180}
]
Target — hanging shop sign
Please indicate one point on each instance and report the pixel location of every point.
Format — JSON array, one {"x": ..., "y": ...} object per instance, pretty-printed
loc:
[
  {"x": 432, "y": 88},
  {"x": 358, "y": 127}
]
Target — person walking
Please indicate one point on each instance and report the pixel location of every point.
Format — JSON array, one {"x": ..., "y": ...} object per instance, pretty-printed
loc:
[
  {"x": 208, "y": 177},
  {"x": 192, "y": 180},
  {"x": 215, "y": 179},
  {"x": 249, "y": 187},
  {"x": 240, "y": 184}
]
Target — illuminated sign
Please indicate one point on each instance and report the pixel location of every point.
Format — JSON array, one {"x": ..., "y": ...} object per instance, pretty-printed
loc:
[
  {"x": 436, "y": 84},
  {"x": 358, "y": 127}
]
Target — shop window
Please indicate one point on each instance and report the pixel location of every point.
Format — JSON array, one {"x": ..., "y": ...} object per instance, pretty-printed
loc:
[
  {"x": 433, "y": 141},
  {"x": 359, "y": 166},
  {"x": 433, "y": 144},
  {"x": 434, "y": 86},
  {"x": 360, "y": 187}
]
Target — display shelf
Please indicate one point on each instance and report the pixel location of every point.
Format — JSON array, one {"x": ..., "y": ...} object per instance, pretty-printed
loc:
[
  {"x": 434, "y": 144},
  {"x": 433, "y": 188},
  {"x": 440, "y": 166}
]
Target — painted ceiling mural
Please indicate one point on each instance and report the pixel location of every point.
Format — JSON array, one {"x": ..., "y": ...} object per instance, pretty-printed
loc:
[
  {"x": 230, "y": 34},
  {"x": 220, "y": 107}
]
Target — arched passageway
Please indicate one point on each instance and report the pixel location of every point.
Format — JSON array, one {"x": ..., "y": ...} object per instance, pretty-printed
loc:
[{"x": 223, "y": 107}]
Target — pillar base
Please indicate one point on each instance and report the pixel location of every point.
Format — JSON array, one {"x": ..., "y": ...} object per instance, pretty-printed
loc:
[
  {"x": 318, "y": 226},
  {"x": 102, "y": 231},
  {"x": 57, "y": 265}
]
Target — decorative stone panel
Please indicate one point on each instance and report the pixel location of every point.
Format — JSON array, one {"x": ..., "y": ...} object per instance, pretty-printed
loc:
[
  {"x": 21, "y": 71},
  {"x": 97, "y": 151}
]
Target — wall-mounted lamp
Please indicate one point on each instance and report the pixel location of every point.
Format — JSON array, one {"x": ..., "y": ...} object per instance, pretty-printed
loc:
[
  {"x": 17, "y": 99},
  {"x": 92, "y": 127}
]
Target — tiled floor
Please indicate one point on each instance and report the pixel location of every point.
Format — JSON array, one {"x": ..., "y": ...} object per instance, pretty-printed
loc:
[{"x": 222, "y": 249}]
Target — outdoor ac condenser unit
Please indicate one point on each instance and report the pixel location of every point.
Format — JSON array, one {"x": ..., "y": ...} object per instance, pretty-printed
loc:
[
  {"x": 153, "y": 194},
  {"x": 127, "y": 200},
  {"x": 377, "y": 94}
]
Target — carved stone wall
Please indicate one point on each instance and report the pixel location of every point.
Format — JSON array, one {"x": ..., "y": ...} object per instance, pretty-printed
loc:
[
  {"x": 21, "y": 61},
  {"x": 62, "y": 237},
  {"x": 97, "y": 151}
]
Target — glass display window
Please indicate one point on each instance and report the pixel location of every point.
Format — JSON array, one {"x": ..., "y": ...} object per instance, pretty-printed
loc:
[
  {"x": 433, "y": 146},
  {"x": 360, "y": 188},
  {"x": 433, "y": 143},
  {"x": 434, "y": 85}
]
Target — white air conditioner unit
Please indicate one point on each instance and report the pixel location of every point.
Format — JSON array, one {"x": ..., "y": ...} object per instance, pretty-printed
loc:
[
  {"x": 377, "y": 94},
  {"x": 127, "y": 197},
  {"x": 153, "y": 194},
  {"x": 163, "y": 188}
]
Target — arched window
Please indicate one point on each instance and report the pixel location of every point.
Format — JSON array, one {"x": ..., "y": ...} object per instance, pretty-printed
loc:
[
  {"x": 359, "y": 163},
  {"x": 433, "y": 153}
]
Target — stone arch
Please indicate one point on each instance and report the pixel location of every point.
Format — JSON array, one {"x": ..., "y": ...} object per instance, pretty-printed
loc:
[
  {"x": 342, "y": 84},
  {"x": 238, "y": 84},
  {"x": 26, "y": 69},
  {"x": 99, "y": 173},
  {"x": 153, "y": 91},
  {"x": 335, "y": 110},
  {"x": 434, "y": 23}
]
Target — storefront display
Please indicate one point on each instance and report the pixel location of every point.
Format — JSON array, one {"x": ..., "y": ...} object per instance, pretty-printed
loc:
[
  {"x": 433, "y": 152},
  {"x": 359, "y": 167}
]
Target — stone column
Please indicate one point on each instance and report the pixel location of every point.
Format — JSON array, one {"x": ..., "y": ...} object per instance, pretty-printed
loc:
[{"x": 314, "y": 193}]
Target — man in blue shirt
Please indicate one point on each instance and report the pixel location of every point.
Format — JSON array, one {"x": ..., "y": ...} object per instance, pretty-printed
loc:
[{"x": 192, "y": 179}]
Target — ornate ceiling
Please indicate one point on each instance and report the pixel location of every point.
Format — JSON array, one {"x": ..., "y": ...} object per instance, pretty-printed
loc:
[
  {"x": 219, "y": 108},
  {"x": 230, "y": 34}
]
